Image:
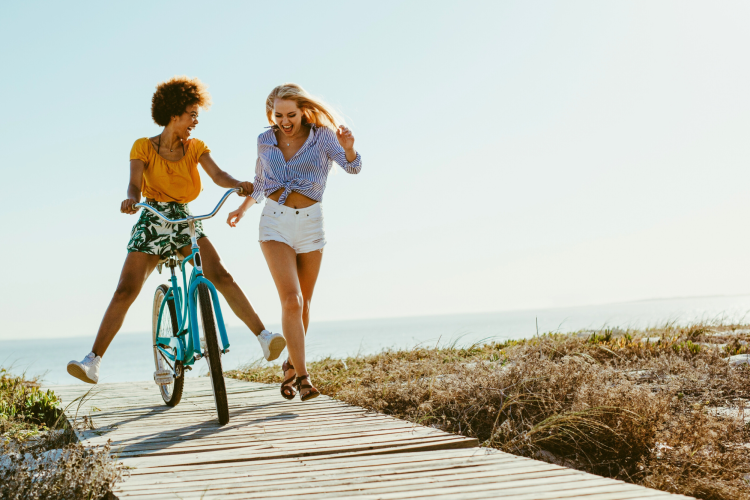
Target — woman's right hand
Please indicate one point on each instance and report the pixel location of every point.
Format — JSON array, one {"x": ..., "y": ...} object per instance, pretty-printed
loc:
[
  {"x": 127, "y": 206},
  {"x": 235, "y": 217}
]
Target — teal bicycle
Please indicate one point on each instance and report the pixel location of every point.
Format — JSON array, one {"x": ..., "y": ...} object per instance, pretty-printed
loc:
[{"x": 182, "y": 336}]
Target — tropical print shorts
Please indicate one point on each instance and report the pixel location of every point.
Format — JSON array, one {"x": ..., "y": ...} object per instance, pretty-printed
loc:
[{"x": 153, "y": 236}]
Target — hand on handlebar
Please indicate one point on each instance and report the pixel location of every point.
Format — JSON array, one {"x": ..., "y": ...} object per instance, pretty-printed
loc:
[
  {"x": 245, "y": 188},
  {"x": 127, "y": 207}
]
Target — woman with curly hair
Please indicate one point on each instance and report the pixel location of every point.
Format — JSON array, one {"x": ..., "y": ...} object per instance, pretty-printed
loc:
[
  {"x": 164, "y": 169},
  {"x": 294, "y": 159}
]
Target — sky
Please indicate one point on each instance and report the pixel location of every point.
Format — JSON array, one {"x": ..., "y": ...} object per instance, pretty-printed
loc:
[{"x": 515, "y": 154}]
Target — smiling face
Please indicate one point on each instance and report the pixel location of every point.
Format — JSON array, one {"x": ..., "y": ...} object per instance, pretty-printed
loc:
[
  {"x": 287, "y": 116},
  {"x": 184, "y": 124}
]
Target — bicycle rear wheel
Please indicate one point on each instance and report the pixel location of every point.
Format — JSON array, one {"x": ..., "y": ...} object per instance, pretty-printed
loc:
[
  {"x": 170, "y": 393},
  {"x": 215, "y": 372}
]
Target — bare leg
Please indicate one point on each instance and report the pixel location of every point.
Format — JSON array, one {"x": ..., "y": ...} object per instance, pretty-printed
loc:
[
  {"x": 308, "y": 268},
  {"x": 137, "y": 268},
  {"x": 217, "y": 274},
  {"x": 282, "y": 262}
]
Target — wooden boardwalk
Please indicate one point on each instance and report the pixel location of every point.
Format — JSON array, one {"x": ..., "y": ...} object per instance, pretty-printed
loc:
[{"x": 272, "y": 448}]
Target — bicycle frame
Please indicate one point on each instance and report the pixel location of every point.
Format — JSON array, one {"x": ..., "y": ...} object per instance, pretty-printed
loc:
[{"x": 185, "y": 297}]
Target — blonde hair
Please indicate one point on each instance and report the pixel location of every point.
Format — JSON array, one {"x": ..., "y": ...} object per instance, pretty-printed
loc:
[{"x": 314, "y": 111}]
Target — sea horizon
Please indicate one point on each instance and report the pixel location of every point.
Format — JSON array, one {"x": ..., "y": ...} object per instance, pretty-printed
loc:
[{"x": 130, "y": 357}]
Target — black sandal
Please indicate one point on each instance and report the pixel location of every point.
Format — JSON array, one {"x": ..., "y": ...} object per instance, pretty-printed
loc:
[
  {"x": 287, "y": 391},
  {"x": 312, "y": 393}
]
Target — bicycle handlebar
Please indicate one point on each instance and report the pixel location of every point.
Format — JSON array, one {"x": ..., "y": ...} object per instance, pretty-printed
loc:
[{"x": 192, "y": 217}]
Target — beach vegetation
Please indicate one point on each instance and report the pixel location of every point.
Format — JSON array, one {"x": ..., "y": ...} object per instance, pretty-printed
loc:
[{"x": 39, "y": 455}]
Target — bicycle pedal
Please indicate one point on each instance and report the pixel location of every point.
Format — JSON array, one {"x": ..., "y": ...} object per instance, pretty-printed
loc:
[{"x": 163, "y": 377}]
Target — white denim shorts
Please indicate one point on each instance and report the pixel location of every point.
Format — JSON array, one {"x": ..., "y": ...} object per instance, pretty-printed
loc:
[{"x": 300, "y": 228}]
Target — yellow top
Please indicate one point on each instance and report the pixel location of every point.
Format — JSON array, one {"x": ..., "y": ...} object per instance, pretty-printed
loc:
[{"x": 165, "y": 180}]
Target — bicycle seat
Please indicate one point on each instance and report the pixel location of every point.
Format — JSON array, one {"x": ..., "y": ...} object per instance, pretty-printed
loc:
[{"x": 178, "y": 260}]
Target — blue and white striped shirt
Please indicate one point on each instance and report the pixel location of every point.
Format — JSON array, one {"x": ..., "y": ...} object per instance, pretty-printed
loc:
[{"x": 306, "y": 172}]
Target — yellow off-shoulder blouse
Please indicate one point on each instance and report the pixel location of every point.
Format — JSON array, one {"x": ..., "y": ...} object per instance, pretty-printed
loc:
[{"x": 165, "y": 180}]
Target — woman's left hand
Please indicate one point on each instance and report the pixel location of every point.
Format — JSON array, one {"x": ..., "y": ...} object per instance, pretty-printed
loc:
[
  {"x": 345, "y": 137},
  {"x": 235, "y": 217}
]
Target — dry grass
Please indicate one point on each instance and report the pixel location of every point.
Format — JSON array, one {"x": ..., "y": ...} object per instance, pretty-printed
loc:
[
  {"x": 604, "y": 402},
  {"x": 71, "y": 472},
  {"x": 38, "y": 454}
]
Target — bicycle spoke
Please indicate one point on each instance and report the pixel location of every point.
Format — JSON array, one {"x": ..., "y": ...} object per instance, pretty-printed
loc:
[
  {"x": 166, "y": 360},
  {"x": 165, "y": 316}
]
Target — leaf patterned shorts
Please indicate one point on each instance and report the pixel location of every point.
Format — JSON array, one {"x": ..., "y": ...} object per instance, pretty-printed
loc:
[{"x": 153, "y": 236}]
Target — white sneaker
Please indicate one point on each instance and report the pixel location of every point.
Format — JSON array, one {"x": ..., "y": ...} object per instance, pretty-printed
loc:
[
  {"x": 272, "y": 344},
  {"x": 88, "y": 369}
]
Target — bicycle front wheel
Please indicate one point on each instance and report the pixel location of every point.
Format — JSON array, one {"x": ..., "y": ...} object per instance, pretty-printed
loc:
[
  {"x": 170, "y": 393},
  {"x": 213, "y": 354}
]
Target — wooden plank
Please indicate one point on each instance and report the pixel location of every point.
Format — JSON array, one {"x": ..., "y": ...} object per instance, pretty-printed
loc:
[
  {"x": 161, "y": 446},
  {"x": 317, "y": 479},
  {"x": 127, "y": 424},
  {"x": 236, "y": 436},
  {"x": 338, "y": 461},
  {"x": 359, "y": 465},
  {"x": 169, "y": 416},
  {"x": 415, "y": 487},
  {"x": 304, "y": 450}
]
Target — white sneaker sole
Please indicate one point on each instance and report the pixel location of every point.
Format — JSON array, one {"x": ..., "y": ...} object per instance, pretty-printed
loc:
[
  {"x": 275, "y": 347},
  {"x": 79, "y": 373}
]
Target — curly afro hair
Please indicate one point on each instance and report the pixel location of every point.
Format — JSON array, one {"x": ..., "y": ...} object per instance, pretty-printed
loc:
[{"x": 174, "y": 96}]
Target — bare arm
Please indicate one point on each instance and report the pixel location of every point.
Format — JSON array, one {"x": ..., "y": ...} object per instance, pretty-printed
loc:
[
  {"x": 342, "y": 150},
  {"x": 346, "y": 139},
  {"x": 236, "y": 215},
  {"x": 134, "y": 187},
  {"x": 258, "y": 194},
  {"x": 221, "y": 178}
]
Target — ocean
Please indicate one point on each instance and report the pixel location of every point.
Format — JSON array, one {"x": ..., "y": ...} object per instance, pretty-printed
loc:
[{"x": 130, "y": 357}]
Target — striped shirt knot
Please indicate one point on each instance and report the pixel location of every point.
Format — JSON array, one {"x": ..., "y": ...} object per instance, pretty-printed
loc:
[
  {"x": 306, "y": 172},
  {"x": 298, "y": 185}
]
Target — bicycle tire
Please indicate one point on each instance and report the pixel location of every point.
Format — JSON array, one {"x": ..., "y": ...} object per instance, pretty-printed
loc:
[
  {"x": 172, "y": 393},
  {"x": 215, "y": 372}
]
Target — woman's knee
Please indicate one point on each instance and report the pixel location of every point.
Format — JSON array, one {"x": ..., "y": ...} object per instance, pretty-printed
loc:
[
  {"x": 126, "y": 291},
  {"x": 292, "y": 302}
]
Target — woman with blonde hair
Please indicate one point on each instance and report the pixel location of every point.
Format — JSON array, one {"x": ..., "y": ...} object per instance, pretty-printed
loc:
[{"x": 294, "y": 158}]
